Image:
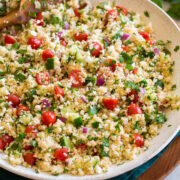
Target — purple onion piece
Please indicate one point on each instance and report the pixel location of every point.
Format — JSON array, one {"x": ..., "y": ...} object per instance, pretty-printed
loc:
[
  {"x": 156, "y": 51},
  {"x": 60, "y": 35},
  {"x": 107, "y": 41},
  {"x": 84, "y": 130},
  {"x": 100, "y": 82},
  {"x": 125, "y": 36},
  {"x": 46, "y": 103},
  {"x": 84, "y": 100},
  {"x": 63, "y": 119},
  {"x": 66, "y": 25},
  {"x": 142, "y": 91}
]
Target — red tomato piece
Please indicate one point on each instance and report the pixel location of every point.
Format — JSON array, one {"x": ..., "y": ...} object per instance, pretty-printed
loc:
[
  {"x": 40, "y": 19},
  {"x": 139, "y": 140},
  {"x": 46, "y": 54},
  {"x": 31, "y": 129},
  {"x": 76, "y": 79},
  {"x": 150, "y": 41},
  {"x": 5, "y": 140},
  {"x": 113, "y": 67},
  {"x": 63, "y": 43},
  {"x": 112, "y": 14},
  {"x": 95, "y": 49},
  {"x": 28, "y": 147},
  {"x": 58, "y": 91},
  {"x": 124, "y": 48},
  {"x": 134, "y": 109},
  {"x": 80, "y": 36},
  {"x": 21, "y": 108},
  {"x": 144, "y": 34},
  {"x": 1, "y": 144},
  {"x": 35, "y": 42},
  {"x": 48, "y": 118},
  {"x": 135, "y": 96},
  {"x": 110, "y": 103},
  {"x": 61, "y": 154},
  {"x": 122, "y": 10},
  {"x": 9, "y": 39},
  {"x": 14, "y": 99},
  {"x": 29, "y": 159},
  {"x": 135, "y": 70},
  {"x": 42, "y": 78},
  {"x": 82, "y": 147},
  {"x": 77, "y": 13}
]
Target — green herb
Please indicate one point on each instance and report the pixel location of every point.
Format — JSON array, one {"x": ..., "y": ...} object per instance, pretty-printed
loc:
[
  {"x": 127, "y": 58},
  {"x": 32, "y": 14},
  {"x": 18, "y": 76},
  {"x": 90, "y": 80},
  {"x": 93, "y": 110},
  {"x": 50, "y": 63},
  {"x": 15, "y": 46},
  {"x": 148, "y": 118},
  {"x": 78, "y": 122},
  {"x": 117, "y": 35},
  {"x": 136, "y": 126},
  {"x": 176, "y": 48},
  {"x": 103, "y": 146},
  {"x": 166, "y": 51},
  {"x": 129, "y": 67},
  {"x": 160, "y": 118},
  {"x": 173, "y": 87},
  {"x": 130, "y": 84},
  {"x": 117, "y": 127},
  {"x": 95, "y": 124},
  {"x": 50, "y": 129},
  {"x": 159, "y": 83},
  {"x": 22, "y": 60},
  {"x": 33, "y": 143},
  {"x": 146, "y": 13},
  {"x": 20, "y": 137}
]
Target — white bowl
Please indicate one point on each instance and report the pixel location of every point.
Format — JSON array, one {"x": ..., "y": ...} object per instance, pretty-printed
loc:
[{"x": 165, "y": 29}]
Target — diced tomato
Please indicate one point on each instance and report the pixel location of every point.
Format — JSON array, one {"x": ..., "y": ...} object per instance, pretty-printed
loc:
[
  {"x": 77, "y": 13},
  {"x": 122, "y": 10},
  {"x": 40, "y": 19},
  {"x": 144, "y": 34},
  {"x": 29, "y": 159},
  {"x": 150, "y": 41},
  {"x": 5, "y": 140},
  {"x": 135, "y": 96},
  {"x": 113, "y": 67},
  {"x": 31, "y": 129},
  {"x": 48, "y": 118},
  {"x": 14, "y": 99},
  {"x": 80, "y": 36},
  {"x": 21, "y": 108},
  {"x": 110, "y": 103},
  {"x": 134, "y": 109},
  {"x": 139, "y": 140},
  {"x": 82, "y": 147},
  {"x": 1, "y": 144},
  {"x": 61, "y": 154},
  {"x": 124, "y": 48},
  {"x": 9, "y": 39},
  {"x": 35, "y": 42},
  {"x": 112, "y": 14},
  {"x": 95, "y": 49},
  {"x": 58, "y": 91},
  {"x": 42, "y": 78},
  {"x": 76, "y": 79},
  {"x": 135, "y": 70},
  {"x": 28, "y": 147},
  {"x": 47, "y": 54},
  {"x": 63, "y": 43}
]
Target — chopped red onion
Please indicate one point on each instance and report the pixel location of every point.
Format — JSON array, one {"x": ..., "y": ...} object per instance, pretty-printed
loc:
[
  {"x": 46, "y": 103},
  {"x": 100, "y": 82},
  {"x": 60, "y": 35},
  {"x": 156, "y": 51},
  {"x": 125, "y": 36},
  {"x": 142, "y": 91},
  {"x": 107, "y": 41},
  {"x": 63, "y": 119},
  {"x": 84, "y": 100},
  {"x": 66, "y": 25},
  {"x": 84, "y": 130}
]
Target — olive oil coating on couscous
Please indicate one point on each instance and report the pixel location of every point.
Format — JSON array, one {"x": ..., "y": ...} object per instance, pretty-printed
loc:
[{"x": 82, "y": 88}]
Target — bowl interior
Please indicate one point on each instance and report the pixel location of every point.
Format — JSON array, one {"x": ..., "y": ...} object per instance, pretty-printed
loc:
[{"x": 165, "y": 29}]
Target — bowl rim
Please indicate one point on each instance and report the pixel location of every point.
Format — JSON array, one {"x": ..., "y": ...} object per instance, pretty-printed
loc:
[{"x": 41, "y": 176}]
